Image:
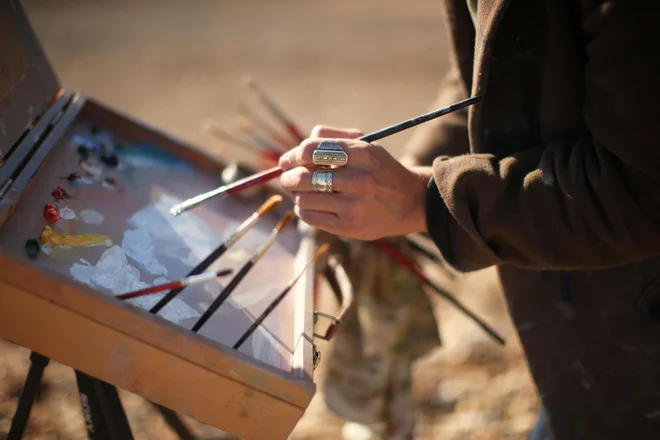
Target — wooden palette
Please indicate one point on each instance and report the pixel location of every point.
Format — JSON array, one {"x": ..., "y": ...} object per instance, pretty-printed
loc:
[{"x": 62, "y": 304}]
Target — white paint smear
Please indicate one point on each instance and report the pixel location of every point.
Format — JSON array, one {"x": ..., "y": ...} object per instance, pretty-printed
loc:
[
  {"x": 138, "y": 245},
  {"x": 67, "y": 213},
  {"x": 112, "y": 272},
  {"x": 92, "y": 217},
  {"x": 161, "y": 280},
  {"x": 185, "y": 237}
]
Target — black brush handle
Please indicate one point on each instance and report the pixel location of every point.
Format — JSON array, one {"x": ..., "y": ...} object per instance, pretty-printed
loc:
[
  {"x": 393, "y": 129},
  {"x": 215, "y": 305},
  {"x": 261, "y": 318}
]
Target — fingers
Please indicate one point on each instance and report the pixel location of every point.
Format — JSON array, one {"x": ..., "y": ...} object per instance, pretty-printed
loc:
[
  {"x": 324, "y": 131},
  {"x": 344, "y": 180},
  {"x": 360, "y": 154},
  {"x": 324, "y": 202}
]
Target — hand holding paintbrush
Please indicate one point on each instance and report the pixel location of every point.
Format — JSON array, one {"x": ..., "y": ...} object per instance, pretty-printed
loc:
[{"x": 265, "y": 176}]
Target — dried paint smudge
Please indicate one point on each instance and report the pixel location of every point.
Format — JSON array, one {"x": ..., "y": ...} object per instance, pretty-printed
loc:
[
  {"x": 110, "y": 183},
  {"x": 55, "y": 239},
  {"x": 112, "y": 272},
  {"x": 186, "y": 238},
  {"x": 75, "y": 177},
  {"x": 60, "y": 194},
  {"x": 92, "y": 169},
  {"x": 138, "y": 245},
  {"x": 51, "y": 213},
  {"x": 92, "y": 217},
  {"x": 67, "y": 214}
]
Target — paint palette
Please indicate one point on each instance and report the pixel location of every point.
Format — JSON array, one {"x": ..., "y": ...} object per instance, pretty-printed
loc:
[{"x": 94, "y": 188}]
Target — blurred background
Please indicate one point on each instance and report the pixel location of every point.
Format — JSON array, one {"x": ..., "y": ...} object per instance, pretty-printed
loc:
[{"x": 363, "y": 64}]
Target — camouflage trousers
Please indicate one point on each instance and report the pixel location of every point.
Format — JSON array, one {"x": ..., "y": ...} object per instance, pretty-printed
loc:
[{"x": 389, "y": 326}]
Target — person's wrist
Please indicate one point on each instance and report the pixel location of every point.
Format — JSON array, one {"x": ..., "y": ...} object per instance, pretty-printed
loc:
[{"x": 416, "y": 221}]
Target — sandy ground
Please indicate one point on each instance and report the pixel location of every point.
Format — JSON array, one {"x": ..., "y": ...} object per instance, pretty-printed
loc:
[{"x": 363, "y": 64}]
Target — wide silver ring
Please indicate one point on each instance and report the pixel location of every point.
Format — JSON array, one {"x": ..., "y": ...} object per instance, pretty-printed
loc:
[
  {"x": 329, "y": 153},
  {"x": 322, "y": 180}
]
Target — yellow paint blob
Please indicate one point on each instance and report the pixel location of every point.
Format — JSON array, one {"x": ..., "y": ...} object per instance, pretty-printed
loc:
[{"x": 53, "y": 238}]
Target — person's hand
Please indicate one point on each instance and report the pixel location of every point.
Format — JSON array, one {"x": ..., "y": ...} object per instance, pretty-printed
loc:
[{"x": 373, "y": 195}]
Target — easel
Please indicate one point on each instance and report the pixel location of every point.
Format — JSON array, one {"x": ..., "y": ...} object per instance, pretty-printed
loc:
[{"x": 104, "y": 415}]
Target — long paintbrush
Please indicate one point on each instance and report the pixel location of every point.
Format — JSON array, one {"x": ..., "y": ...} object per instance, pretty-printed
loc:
[
  {"x": 188, "y": 281},
  {"x": 321, "y": 250},
  {"x": 214, "y": 129},
  {"x": 265, "y": 127},
  {"x": 265, "y": 176},
  {"x": 275, "y": 109},
  {"x": 247, "y": 128},
  {"x": 284, "y": 221},
  {"x": 264, "y": 209},
  {"x": 417, "y": 272}
]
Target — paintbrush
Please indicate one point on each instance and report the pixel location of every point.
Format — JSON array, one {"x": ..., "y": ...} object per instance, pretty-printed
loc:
[
  {"x": 214, "y": 129},
  {"x": 284, "y": 221},
  {"x": 188, "y": 281},
  {"x": 265, "y": 127},
  {"x": 417, "y": 273},
  {"x": 274, "y": 172},
  {"x": 321, "y": 250},
  {"x": 251, "y": 84},
  {"x": 242, "y": 229},
  {"x": 247, "y": 128}
]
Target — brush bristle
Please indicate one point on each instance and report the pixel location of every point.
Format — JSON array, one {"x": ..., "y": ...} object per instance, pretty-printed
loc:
[
  {"x": 284, "y": 221},
  {"x": 269, "y": 205}
]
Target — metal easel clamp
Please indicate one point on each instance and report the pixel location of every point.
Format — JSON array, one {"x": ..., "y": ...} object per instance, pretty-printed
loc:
[{"x": 343, "y": 290}]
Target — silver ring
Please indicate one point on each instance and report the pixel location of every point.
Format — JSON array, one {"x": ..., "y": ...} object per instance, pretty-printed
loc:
[
  {"x": 330, "y": 153},
  {"x": 322, "y": 180}
]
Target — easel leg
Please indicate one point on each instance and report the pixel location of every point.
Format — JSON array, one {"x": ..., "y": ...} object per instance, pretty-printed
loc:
[
  {"x": 102, "y": 410},
  {"x": 37, "y": 365},
  {"x": 175, "y": 422}
]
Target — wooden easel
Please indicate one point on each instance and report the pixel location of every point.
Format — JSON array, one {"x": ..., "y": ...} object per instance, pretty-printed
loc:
[{"x": 104, "y": 415}]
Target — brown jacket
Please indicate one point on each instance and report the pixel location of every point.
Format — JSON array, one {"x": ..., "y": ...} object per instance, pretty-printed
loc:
[{"x": 561, "y": 190}]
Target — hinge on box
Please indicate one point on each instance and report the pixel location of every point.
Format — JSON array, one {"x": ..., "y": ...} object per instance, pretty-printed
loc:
[{"x": 317, "y": 356}]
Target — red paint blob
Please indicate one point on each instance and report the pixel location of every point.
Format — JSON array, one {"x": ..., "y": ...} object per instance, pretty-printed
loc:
[
  {"x": 59, "y": 193},
  {"x": 51, "y": 213}
]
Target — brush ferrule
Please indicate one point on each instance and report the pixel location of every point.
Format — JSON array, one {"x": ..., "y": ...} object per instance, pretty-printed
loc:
[
  {"x": 195, "y": 279},
  {"x": 191, "y": 203}
]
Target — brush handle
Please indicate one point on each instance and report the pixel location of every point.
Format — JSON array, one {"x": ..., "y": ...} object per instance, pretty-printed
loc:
[
  {"x": 393, "y": 129},
  {"x": 150, "y": 290},
  {"x": 215, "y": 305},
  {"x": 261, "y": 317}
]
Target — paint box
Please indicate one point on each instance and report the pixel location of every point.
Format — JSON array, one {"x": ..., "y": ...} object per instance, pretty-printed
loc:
[{"x": 117, "y": 178}]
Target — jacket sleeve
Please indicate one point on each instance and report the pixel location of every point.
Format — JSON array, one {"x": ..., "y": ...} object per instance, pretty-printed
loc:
[
  {"x": 443, "y": 136},
  {"x": 588, "y": 203}
]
